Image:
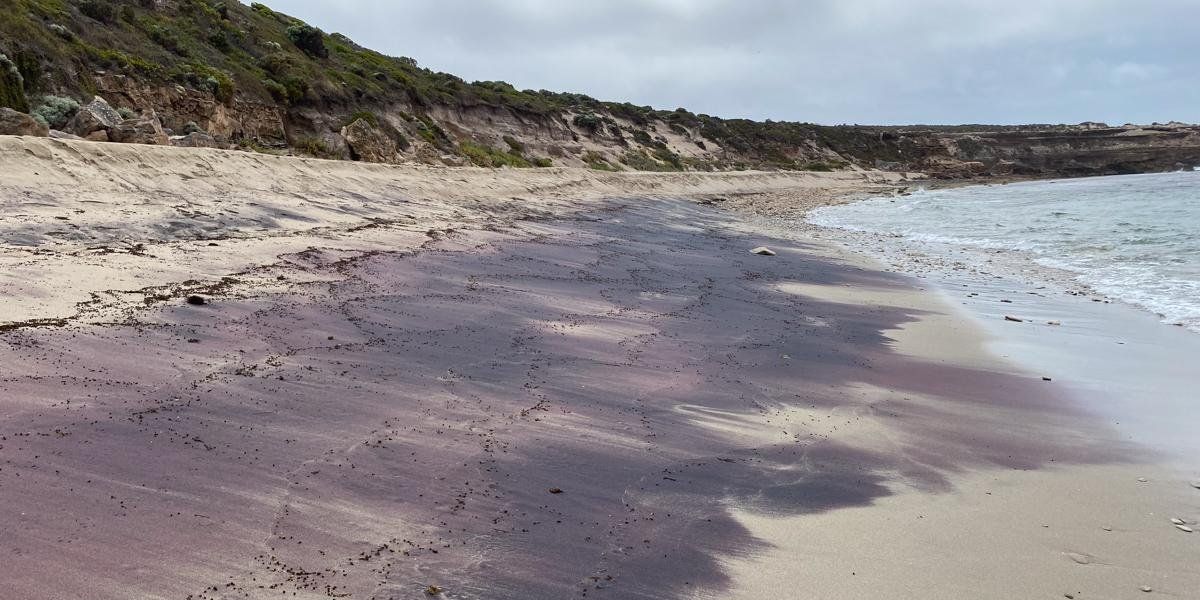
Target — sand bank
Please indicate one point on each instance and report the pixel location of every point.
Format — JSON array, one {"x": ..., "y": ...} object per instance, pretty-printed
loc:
[{"x": 533, "y": 384}]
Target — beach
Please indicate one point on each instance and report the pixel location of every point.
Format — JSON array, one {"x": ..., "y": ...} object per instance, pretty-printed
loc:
[{"x": 230, "y": 375}]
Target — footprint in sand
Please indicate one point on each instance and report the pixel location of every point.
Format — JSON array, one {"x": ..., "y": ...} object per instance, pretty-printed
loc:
[{"x": 1079, "y": 558}]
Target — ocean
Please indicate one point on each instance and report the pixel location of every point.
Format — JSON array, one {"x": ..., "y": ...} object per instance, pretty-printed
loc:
[{"x": 1133, "y": 238}]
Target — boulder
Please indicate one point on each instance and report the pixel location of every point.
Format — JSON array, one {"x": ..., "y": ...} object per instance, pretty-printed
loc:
[
  {"x": 62, "y": 135},
  {"x": 196, "y": 139},
  {"x": 335, "y": 145},
  {"x": 19, "y": 123},
  {"x": 97, "y": 136},
  {"x": 368, "y": 143},
  {"x": 94, "y": 116},
  {"x": 144, "y": 129}
]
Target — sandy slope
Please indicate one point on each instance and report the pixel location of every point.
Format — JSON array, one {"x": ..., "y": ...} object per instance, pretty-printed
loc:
[
  {"x": 82, "y": 220},
  {"x": 535, "y": 384}
]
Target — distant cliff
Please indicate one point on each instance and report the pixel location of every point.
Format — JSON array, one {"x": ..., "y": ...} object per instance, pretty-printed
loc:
[{"x": 219, "y": 73}]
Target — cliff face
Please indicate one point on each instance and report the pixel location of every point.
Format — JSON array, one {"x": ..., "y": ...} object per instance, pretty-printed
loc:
[
  {"x": 231, "y": 75},
  {"x": 1057, "y": 151}
]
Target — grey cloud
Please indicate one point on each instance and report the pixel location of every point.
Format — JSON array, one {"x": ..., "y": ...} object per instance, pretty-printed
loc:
[{"x": 828, "y": 61}]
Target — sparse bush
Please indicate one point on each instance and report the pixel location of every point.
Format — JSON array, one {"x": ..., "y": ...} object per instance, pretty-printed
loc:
[
  {"x": 219, "y": 40},
  {"x": 126, "y": 112},
  {"x": 514, "y": 144},
  {"x": 485, "y": 156},
  {"x": 588, "y": 121},
  {"x": 364, "y": 115},
  {"x": 55, "y": 111},
  {"x": 191, "y": 127},
  {"x": 638, "y": 160},
  {"x": 309, "y": 39},
  {"x": 289, "y": 81},
  {"x": 543, "y": 162},
  {"x": 431, "y": 132},
  {"x": 61, "y": 31},
  {"x": 167, "y": 39},
  {"x": 104, "y": 11},
  {"x": 313, "y": 146},
  {"x": 596, "y": 161},
  {"x": 820, "y": 165},
  {"x": 664, "y": 154}
]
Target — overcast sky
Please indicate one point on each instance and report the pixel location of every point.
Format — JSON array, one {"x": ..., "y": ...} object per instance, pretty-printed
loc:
[{"x": 824, "y": 61}]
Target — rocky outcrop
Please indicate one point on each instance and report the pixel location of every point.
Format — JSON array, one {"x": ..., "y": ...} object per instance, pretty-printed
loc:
[
  {"x": 1053, "y": 151},
  {"x": 177, "y": 106},
  {"x": 144, "y": 129},
  {"x": 196, "y": 139},
  {"x": 369, "y": 143},
  {"x": 19, "y": 123},
  {"x": 97, "y": 115}
]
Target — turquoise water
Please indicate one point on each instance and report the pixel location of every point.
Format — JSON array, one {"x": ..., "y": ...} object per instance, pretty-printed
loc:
[{"x": 1135, "y": 238}]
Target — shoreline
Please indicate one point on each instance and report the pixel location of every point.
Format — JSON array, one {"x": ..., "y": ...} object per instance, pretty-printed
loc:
[
  {"x": 943, "y": 259},
  {"x": 520, "y": 385},
  {"x": 1054, "y": 525}
]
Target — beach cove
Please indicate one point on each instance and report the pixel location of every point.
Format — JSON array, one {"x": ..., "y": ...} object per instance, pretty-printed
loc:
[{"x": 236, "y": 376}]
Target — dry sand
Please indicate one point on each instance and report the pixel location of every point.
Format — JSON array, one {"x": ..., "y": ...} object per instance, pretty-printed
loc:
[{"x": 518, "y": 384}]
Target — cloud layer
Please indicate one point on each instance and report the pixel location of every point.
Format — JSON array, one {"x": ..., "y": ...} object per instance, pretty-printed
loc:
[{"x": 827, "y": 61}]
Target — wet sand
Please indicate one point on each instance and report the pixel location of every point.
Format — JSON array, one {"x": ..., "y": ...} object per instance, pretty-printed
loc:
[{"x": 578, "y": 394}]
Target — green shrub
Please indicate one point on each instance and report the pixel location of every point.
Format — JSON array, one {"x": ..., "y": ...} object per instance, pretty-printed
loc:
[
  {"x": 643, "y": 138},
  {"x": 820, "y": 165},
  {"x": 289, "y": 78},
  {"x": 215, "y": 81},
  {"x": 364, "y": 115},
  {"x": 638, "y": 160},
  {"x": 12, "y": 86},
  {"x": 485, "y": 156},
  {"x": 589, "y": 122},
  {"x": 514, "y": 144},
  {"x": 104, "y": 11},
  {"x": 219, "y": 40},
  {"x": 312, "y": 146},
  {"x": 309, "y": 39},
  {"x": 128, "y": 113},
  {"x": 670, "y": 158},
  {"x": 431, "y": 132},
  {"x": 167, "y": 39},
  {"x": 276, "y": 90},
  {"x": 543, "y": 162},
  {"x": 55, "y": 111},
  {"x": 596, "y": 161}
]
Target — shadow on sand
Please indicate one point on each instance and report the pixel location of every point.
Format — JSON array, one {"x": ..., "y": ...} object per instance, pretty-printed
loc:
[{"x": 561, "y": 411}]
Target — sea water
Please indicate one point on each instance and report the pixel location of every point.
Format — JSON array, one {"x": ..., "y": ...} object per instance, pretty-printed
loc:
[{"x": 1134, "y": 238}]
